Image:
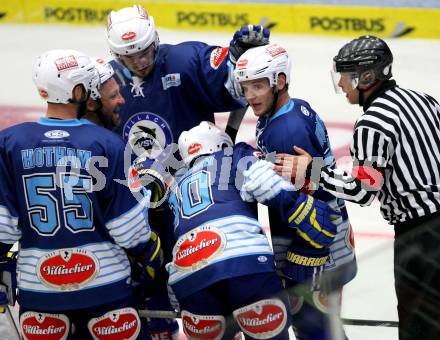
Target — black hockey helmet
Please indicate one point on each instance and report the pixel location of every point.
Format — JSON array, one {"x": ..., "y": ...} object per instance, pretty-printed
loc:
[{"x": 365, "y": 53}]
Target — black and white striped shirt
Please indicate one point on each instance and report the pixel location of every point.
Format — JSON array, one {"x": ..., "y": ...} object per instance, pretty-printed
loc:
[{"x": 398, "y": 134}]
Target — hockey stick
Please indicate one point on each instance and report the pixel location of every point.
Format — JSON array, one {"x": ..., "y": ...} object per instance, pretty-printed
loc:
[
  {"x": 234, "y": 121},
  {"x": 165, "y": 314},
  {"x": 374, "y": 323}
]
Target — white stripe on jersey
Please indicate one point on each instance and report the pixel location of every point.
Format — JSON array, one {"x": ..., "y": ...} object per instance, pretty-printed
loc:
[
  {"x": 9, "y": 231},
  {"x": 131, "y": 228},
  {"x": 250, "y": 240},
  {"x": 112, "y": 259}
]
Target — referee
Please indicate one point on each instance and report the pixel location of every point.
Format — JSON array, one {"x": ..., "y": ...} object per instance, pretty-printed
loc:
[{"x": 396, "y": 155}]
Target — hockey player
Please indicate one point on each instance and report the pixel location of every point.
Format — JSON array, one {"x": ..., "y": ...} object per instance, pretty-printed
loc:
[
  {"x": 222, "y": 261},
  {"x": 263, "y": 73},
  {"x": 103, "y": 107},
  {"x": 73, "y": 221},
  {"x": 169, "y": 89}
]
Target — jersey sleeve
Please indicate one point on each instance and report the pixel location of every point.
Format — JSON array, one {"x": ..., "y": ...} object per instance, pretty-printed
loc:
[
  {"x": 9, "y": 226},
  {"x": 126, "y": 213},
  {"x": 371, "y": 149},
  {"x": 214, "y": 77}
]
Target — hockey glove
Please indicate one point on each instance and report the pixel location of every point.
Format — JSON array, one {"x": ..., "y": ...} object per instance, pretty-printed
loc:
[
  {"x": 143, "y": 175},
  {"x": 305, "y": 263},
  {"x": 145, "y": 266},
  {"x": 8, "y": 279},
  {"x": 245, "y": 38},
  {"x": 261, "y": 184},
  {"x": 314, "y": 221}
]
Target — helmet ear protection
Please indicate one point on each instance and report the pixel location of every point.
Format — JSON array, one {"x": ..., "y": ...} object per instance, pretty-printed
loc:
[{"x": 367, "y": 78}]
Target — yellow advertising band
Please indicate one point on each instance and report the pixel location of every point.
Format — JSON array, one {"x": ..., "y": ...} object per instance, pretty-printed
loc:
[{"x": 227, "y": 17}]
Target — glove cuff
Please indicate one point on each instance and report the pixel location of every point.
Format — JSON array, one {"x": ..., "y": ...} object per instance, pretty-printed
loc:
[{"x": 304, "y": 263}]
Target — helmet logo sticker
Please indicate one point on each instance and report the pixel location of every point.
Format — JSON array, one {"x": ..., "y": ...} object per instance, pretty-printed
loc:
[
  {"x": 66, "y": 63},
  {"x": 242, "y": 63},
  {"x": 194, "y": 148},
  {"x": 275, "y": 50},
  {"x": 128, "y": 36},
  {"x": 43, "y": 94}
]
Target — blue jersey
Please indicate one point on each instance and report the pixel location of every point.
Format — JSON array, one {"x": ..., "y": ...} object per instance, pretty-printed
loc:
[
  {"x": 218, "y": 234},
  {"x": 187, "y": 86},
  {"x": 72, "y": 219},
  {"x": 297, "y": 124}
]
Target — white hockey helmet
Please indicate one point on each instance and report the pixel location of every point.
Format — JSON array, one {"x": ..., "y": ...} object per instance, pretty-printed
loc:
[
  {"x": 263, "y": 62},
  {"x": 130, "y": 30},
  {"x": 105, "y": 71},
  {"x": 57, "y": 72},
  {"x": 203, "y": 139}
]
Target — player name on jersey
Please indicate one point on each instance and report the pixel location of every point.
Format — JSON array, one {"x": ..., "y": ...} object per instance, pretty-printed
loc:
[{"x": 55, "y": 155}]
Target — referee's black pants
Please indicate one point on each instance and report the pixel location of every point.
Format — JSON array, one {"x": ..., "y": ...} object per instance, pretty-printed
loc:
[{"x": 417, "y": 278}]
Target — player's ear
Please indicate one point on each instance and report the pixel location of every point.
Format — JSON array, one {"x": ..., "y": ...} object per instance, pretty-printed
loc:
[
  {"x": 92, "y": 105},
  {"x": 79, "y": 94},
  {"x": 281, "y": 83}
]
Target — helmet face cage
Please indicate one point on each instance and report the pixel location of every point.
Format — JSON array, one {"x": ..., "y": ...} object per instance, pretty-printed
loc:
[
  {"x": 203, "y": 139},
  {"x": 130, "y": 30},
  {"x": 57, "y": 72},
  {"x": 366, "y": 53},
  {"x": 263, "y": 62}
]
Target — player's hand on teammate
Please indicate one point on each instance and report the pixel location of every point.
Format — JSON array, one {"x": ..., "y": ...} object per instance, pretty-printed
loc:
[
  {"x": 315, "y": 221},
  {"x": 296, "y": 165},
  {"x": 245, "y": 38}
]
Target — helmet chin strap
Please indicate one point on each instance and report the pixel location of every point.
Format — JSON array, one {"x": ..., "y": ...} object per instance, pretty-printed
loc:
[{"x": 361, "y": 97}]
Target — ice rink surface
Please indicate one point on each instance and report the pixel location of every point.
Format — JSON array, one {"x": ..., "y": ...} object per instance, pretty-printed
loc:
[{"x": 371, "y": 294}]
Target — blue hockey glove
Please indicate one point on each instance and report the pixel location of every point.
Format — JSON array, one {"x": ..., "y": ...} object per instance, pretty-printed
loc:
[
  {"x": 148, "y": 174},
  {"x": 245, "y": 38},
  {"x": 314, "y": 221},
  {"x": 8, "y": 279},
  {"x": 145, "y": 266},
  {"x": 305, "y": 263}
]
